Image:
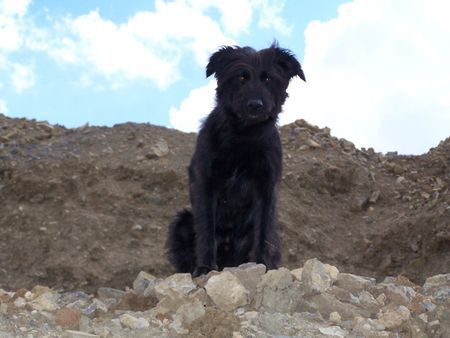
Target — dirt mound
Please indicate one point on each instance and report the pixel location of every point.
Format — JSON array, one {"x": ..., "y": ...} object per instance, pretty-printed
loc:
[{"x": 86, "y": 207}]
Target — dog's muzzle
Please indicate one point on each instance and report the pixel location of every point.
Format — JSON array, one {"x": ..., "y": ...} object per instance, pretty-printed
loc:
[{"x": 255, "y": 111}]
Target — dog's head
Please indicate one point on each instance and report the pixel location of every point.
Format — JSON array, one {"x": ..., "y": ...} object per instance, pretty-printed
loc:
[{"x": 251, "y": 85}]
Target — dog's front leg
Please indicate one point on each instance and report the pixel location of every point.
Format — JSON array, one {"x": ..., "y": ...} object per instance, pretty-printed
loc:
[
  {"x": 205, "y": 232},
  {"x": 267, "y": 241}
]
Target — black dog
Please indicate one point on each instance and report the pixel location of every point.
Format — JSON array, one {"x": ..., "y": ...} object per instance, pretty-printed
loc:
[{"x": 236, "y": 165}]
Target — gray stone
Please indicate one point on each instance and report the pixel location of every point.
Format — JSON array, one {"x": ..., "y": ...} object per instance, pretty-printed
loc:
[
  {"x": 178, "y": 283},
  {"x": 315, "y": 276},
  {"x": 366, "y": 327},
  {"x": 325, "y": 304},
  {"x": 249, "y": 275},
  {"x": 399, "y": 294},
  {"x": 226, "y": 291},
  {"x": 394, "y": 318},
  {"x": 94, "y": 308},
  {"x": 297, "y": 273},
  {"x": 442, "y": 295},
  {"x": 48, "y": 301},
  {"x": 333, "y": 331},
  {"x": 353, "y": 282},
  {"x": 332, "y": 271},
  {"x": 277, "y": 292},
  {"x": 78, "y": 334},
  {"x": 439, "y": 287},
  {"x": 159, "y": 149},
  {"x": 277, "y": 279},
  {"x": 143, "y": 281},
  {"x": 437, "y": 281},
  {"x": 20, "y": 302},
  {"x": 335, "y": 317},
  {"x": 190, "y": 311},
  {"x": 170, "y": 303},
  {"x": 110, "y": 293},
  {"x": 367, "y": 300},
  {"x": 132, "y": 322}
]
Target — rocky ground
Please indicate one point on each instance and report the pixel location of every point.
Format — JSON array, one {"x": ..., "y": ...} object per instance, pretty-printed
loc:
[
  {"x": 314, "y": 301},
  {"x": 86, "y": 209}
]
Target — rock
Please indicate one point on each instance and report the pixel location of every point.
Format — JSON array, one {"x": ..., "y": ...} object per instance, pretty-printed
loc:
[
  {"x": 333, "y": 331},
  {"x": 315, "y": 276},
  {"x": 20, "y": 302},
  {"x": 332, "y": 271},
  {"x": 442, "y": 295},
  {"x": 439, "y": 287},
  {"x": 277, "y": 292},
  {"x": 190, "y": 311},
  {"x": 366, "y": 327},
  {"x": 78, "y": 334},
  {"x": 47, "y": 301},
  {"x": 346, "y": 145},
  {"x": 226, "y": 291},
  {"x": 170, "y": 303},
  {"x": 132, "y": 322},
  {"x": 381, "y": 299},
  {"x": 399, "y": 180},
  {"x": 143, "y": 281},
  {"x": 297, "y": 273},
  {"x": 437, "y": 281},
  {"x": 277, "y": 279},
  {"x": 312, "y": 144},
  {"x": 399, "y": 294},
  {"x": 39, "y": 290},
  {"x": 94, "y": 308},
  {"x": 394, "y": 318},
  {"x": 325, "y": 304},
  {"x": 374, "y": 196},
  {"x": 68, "y": 318},
  {"x": 158, "y": 150},
  {"x": 179, "y": 282},
  {"x": 335, "y": 317},
  {"x": 249, "y": 275},
  {"x": 368, "y": 301},
  {"x": 132, "y": 301},
  {"x": 110, "y": 293},
  {"x": 354, "y": 282},
  {"x": 343, "y": 295}
]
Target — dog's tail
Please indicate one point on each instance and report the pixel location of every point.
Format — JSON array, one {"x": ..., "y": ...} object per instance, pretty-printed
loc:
[{"x": 180, "y": 242}]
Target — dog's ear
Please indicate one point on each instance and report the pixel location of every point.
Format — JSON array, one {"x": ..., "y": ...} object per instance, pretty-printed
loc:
[
  {"x": 288, "y": 62},
  {"x": 219, "y": 60}
]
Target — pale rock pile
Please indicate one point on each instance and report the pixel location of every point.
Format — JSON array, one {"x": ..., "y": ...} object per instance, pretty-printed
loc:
[{"x": 314, "y": 301}]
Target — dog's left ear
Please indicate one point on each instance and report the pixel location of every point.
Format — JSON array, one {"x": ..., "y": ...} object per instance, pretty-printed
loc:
[
  {"x": 219, "y": 60},
  {"x": 287, "y": 61}
]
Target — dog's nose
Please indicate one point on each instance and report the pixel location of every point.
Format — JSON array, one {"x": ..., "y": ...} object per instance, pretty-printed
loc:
[{"x": 254, "y": 104}]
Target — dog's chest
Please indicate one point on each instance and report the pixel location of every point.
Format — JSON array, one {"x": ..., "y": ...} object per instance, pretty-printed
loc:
[{"x": 240, "y": 180}]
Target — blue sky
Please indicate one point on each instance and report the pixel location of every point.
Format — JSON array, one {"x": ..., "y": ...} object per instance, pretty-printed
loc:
[{"x": 377, "y": 70}]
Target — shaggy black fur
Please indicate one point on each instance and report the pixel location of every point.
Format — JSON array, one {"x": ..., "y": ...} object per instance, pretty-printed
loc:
[{"x": 236, "y": 165}]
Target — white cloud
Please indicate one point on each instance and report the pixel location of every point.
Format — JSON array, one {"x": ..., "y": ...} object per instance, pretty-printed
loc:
[
  {"x": 13, "y": 28},
  {"x": 270, "y": 15},
  {"x": 194, "y": 108},
  {"x": 22, "y": 77},
  {"x": 378, "y": 75},
  {"x": 11, "y": 24},
  {"x": 3, "y": 107},
  {"x": 150, "y": 44}
]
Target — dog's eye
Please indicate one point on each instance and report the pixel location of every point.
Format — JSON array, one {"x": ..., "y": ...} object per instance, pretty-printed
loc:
[{"x": 243, "y": 77}]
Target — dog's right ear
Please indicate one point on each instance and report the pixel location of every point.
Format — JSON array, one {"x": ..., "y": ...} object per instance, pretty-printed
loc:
[{"x": 219, "y": 60}]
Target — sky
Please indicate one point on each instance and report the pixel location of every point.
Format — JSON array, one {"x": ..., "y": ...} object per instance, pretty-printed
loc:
[{"x": 377, "y": 70}]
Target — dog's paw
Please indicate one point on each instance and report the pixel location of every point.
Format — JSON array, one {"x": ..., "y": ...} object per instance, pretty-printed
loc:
[{"x": 203, "y": 270}]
